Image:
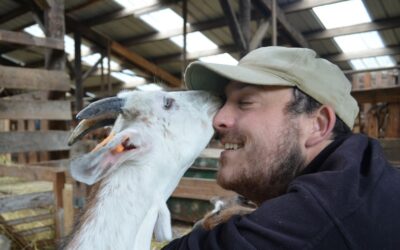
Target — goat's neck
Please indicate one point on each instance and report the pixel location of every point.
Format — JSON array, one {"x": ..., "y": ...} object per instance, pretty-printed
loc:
[{"x": 124, "y": 205}]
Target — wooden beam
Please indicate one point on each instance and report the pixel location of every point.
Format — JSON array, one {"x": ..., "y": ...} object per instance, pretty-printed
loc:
[
  {"x": 31, "y": 172},
  {"x": 377, "y": 95},
  {"x": 35, "y": 109},
  {"x": 266, "y": 6},
  {"x": 90, "y": 71},
  {"x": 18, "y": 202},
  {"x": 259, "y": 35},
  {"x": 36, "y": 79},
  {"x": 145, "y": 65},
  {"x": 194, "y": 55},
  {"x": 393, "y": 50},
  {"x": 29, "y": 219},
  {"x": 306, "y": 5},
  {"x": 390, "y": 23},
  {"x": 123, "y": 52},
  {"x": 12, "y": 142},
  {"x": 22, "y": 38},
  {"x": 55, "y": 28},
  {"x": 233, "y": 25}
]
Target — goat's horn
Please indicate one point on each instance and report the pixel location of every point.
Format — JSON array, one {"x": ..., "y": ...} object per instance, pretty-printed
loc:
[
  {"x": 85, "y": 126},
  {"x": 106, "y": 106}
]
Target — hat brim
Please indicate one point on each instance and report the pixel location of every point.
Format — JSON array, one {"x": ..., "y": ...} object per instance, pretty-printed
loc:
[{"x": 214, "y": 77}]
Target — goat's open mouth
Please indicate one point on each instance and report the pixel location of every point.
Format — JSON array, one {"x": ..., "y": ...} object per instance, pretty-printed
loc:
[{"x": 124, "y": 146}]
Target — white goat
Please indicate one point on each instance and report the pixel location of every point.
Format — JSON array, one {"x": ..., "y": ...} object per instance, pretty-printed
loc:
[{"x": 155, "y": 138}]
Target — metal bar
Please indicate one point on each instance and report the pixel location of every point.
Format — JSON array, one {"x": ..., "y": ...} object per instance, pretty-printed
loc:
[
  {"x": 244, "y": 21},
  {"x": 274, "y": 24},
  {"x": 184, "y": 11},
  {"x": 78, "y": 73}
]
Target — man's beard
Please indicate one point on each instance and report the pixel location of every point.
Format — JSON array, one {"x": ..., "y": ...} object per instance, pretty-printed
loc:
[{"x": 269, "y": 170}]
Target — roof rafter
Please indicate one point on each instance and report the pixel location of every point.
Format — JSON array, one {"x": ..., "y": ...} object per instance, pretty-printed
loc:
[
  {"x": 357, "y": 28},
  {"x": 306, "y": 5},
  {"x": 392, "y": 50}
]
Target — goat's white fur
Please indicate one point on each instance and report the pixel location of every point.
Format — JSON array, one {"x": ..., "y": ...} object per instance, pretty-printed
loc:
[{"x": 131, "y": 200}]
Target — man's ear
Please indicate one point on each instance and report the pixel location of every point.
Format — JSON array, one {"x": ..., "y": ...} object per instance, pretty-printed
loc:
[{"x": 322, "y": 122}]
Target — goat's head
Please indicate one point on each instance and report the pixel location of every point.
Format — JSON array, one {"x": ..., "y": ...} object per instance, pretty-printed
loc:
[{"x": 156, "y": 127}]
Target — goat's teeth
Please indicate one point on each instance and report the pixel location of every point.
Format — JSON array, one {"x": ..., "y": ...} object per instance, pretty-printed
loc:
[{"x": 231, "y": 146}]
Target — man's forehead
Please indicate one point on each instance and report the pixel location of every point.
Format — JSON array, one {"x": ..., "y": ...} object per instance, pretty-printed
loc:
[{"x": 235, "y": 86}]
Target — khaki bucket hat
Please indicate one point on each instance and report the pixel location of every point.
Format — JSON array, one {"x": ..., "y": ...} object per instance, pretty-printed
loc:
[{"x": 281, "y": 66}]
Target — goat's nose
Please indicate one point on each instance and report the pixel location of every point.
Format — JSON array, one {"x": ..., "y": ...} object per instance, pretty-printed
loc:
[{"x": 224, "y": 119}]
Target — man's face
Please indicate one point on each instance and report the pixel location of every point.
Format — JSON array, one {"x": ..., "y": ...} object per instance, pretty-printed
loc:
[{"x": 262, "y": 141}]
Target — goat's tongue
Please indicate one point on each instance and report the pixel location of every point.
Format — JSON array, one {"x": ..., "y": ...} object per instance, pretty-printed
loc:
[{"x": 104, "y": 142}]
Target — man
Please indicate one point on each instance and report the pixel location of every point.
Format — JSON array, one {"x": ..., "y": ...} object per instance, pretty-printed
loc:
[{"x": 286, "y": 126}]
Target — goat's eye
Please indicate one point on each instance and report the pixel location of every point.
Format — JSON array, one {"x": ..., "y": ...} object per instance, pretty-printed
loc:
[{"x": 168, "y": 102}]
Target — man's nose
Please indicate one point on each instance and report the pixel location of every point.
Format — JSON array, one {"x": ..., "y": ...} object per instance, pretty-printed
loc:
[{"x": 224, "y": 119}]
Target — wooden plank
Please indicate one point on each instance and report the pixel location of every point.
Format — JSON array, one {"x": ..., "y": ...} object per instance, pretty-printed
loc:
[
  {"x": 18, "y": 202},
  {"x": 46, "y": 110},
  {"x": 38, "y": 79},
  {"x": 30, "y": 172},
  {"x": 33, "y": 141},
  {"x": 22, "y": 38},
  {"x": 391, "y": 148},
  {"x": 377, "y": 95},
  {"x": 199, "y": 189},
  {"x": 29, "y": 219},
  {"x": 36, "y": 230}
]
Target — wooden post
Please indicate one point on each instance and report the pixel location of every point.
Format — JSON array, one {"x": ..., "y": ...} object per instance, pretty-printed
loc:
[
  {"x": 5, "y": 127},
  {"x": 393, "y": 122},
  {"x": 32, "y": 155},
  {"x": 68, "y": 208},
  {"x": 21, "y": 155},
  {"x": 58, "y": 186}
]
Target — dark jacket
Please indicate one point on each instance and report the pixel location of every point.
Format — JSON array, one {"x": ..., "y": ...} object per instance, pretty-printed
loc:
[{"x": 347, "y": 198}]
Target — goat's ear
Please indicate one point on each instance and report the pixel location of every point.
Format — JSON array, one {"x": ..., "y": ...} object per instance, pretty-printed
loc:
[{"x": 108, "y": 156}]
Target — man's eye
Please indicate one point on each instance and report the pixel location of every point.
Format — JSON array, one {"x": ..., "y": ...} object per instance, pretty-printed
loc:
[
  {"x": 168, "y": 102},
  {"x": 245, "y": 103}
]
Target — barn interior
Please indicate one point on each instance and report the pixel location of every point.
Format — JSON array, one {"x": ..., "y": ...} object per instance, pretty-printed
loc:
[{"x": 58, "y": 56}]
